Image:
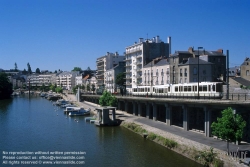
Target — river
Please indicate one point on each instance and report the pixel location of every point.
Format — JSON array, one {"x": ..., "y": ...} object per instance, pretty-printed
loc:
[{"x": 34, "y": 124}]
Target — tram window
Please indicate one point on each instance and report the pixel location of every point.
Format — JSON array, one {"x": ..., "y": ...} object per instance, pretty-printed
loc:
[
  {"x": 153, "y": 89},
  {"x": 200, "y": 88},
  {"x": 181, "y": 88},
  {"x": 168, "y": 89},
  {"x": 195, "y": 88},
  {"x": 135, "y": 90},
  {"x": 189, "y": 88},
  {"x": 185, "y": 88},
  {"x": 213, "y": 88},
  {"x": 209, "y": 88},
  {"x": 176, "y": 88},
  {"x": 160, "y": 90},
  {"x": 218, "y": 88},
  {"x": 205, "y": 88}
]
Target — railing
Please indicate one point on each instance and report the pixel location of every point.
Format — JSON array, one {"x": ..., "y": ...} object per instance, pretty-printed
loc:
[{"x": 232, "y": 96}]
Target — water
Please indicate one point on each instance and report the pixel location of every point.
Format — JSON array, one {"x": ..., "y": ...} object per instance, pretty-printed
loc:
[{"x": 36, "y": 125}]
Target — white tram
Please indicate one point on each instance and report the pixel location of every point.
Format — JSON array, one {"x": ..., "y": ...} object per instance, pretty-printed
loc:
[{"x": 206, "y": 90}]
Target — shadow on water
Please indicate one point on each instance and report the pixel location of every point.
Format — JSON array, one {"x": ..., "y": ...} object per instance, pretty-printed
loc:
[{"x": 4, "y": 104}]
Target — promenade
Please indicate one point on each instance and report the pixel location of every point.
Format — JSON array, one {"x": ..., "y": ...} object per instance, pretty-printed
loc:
[{"x": 161, "y": 128}]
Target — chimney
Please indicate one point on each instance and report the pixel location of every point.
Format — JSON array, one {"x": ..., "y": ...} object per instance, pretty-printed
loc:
[
  {"x": 190, "y": 49},
  {"x": 140, "y": 40},
  {"x": 169, "y": 44},
  {"x": 220, "y": 50}
]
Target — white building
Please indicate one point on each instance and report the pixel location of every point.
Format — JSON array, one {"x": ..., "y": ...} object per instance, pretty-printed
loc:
[
  {"x": 41, "y": 79},
  {"x": 156, "y": 72},
  {"x": 104, "y": 63},
  {"x": 141, "y": 53},
  {"x": 66, "y": 79},
  {"x": 111, "y": 74}
]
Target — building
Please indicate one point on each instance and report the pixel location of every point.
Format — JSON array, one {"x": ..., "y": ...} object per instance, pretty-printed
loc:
[
  {"x": 41, "y": 79},
  {"x": 156, "y": 72},
  {"x": 211, "y": 66},
  {"x": 104, "y": 63},
  {"x": 66, "y": 79},
  {"x": 111, "y": 74},
  {"x": 234, "y": 71},
  {"x": 140, "y": 54},
  {"x": 245, "y": 69}
]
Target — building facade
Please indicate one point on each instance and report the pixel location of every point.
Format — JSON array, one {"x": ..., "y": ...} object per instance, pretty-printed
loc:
[
  {"x": 140, "y": 54},
  {"x": 66, "y": 79},
  {"x": 41, "y": 79},
  {"x": 245, "y": 69},
  {"x": 104, "y": 63},
  {"x": 111, "y": 74}
]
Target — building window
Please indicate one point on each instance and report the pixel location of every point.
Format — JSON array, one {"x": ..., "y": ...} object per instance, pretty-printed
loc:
[
  {"x": 185, "y": 72},
  {"x": 195, "y": 79},
  {"x": 180, "y": 80},
  {"x": 247, "y": 73},
  {"x": 195, "y": 71},
  {"x": 180, "y": 72},
  {"x": 185, "y": 81}
]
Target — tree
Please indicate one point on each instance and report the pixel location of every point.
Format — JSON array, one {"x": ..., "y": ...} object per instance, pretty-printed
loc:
[
  {"x": 16, "y": 69},
  {"x": 88, "y": 87},
  {"x": 38, "y": 71},
  {"x": 82, "y": 87},
  {"x": 93, "y": 88},
  {"x": 5, "y": 86},
  {"x": 59, "y": 89},
  {"x": 53, "y": 88},
  {"x": 107, "y": 99},
  {"x": 75, "y": 88},
  {"x": 77, "y": 69},
  {"x": 29, "y": 68},
  {"x": 24, "y": 71},
  {"x": 55, "y": 71},
  {"x": 229, "y": 127},
  {"x": 120, "y": 79}
]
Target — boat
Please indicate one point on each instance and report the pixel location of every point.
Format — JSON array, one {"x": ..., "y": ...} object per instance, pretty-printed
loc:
[
  {"x": 61, "y": 102},
  {"x": 70, "y": 109},
  {"x": 42, "y": 94},
  {"x": 67, "y": 105},
  {"x": 81, "y": 112}
]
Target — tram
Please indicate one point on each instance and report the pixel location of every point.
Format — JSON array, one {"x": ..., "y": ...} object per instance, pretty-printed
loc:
[{"x": 186, "y": 90}]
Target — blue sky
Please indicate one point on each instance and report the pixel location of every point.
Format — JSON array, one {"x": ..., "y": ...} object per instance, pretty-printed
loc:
[{"x": 63, "y": 34}]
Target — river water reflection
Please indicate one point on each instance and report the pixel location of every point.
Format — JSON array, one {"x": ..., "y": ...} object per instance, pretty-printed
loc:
[{"x": 36, "y": 125}]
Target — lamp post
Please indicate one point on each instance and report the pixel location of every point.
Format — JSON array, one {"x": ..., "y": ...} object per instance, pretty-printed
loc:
[{"x": 199, "y": 70}]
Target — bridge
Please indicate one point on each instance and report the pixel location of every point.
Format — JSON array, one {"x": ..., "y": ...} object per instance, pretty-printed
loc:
[{"x": 188, "y": 114}]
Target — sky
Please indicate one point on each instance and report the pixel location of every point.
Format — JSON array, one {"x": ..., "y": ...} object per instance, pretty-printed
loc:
[{"x": 63, "y": 34}]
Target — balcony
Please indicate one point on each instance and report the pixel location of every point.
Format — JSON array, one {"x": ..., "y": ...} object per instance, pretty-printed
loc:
[
  {"x": 132, "y": 50},
  {"x": 139, "y": 62},
  {"x": 127, "y": 65},
  {"x": 138, "y": 69},
  {"x": 128, "y": 71},
  {"x": 167, "y": 72}
]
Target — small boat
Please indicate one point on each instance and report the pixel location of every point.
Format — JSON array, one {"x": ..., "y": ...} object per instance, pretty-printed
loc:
[
  {"x": 67, "y": 105},
  {"x": 81, "y": 112}
]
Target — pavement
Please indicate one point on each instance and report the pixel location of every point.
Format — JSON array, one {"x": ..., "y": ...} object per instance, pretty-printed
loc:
[{"x": 194, "y": 136}]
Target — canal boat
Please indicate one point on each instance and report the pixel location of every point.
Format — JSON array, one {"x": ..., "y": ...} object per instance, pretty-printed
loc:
[{"x": 81, "y": 112}]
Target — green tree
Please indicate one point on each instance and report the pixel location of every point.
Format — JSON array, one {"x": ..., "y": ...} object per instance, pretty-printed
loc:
[
  {"x": 82, "y": 87},
  {"x": 59, "y": 89},
  {"x": 229, "y": 127},
  {"x": 75, "y": 88},
  {"x": 5, "y": 86},
  {"x": 77, "y": 69},
  {"x": 88, "y": 87},
  {"x": 92, "y": 87},
  {"x": 16, "y": 69},
  {"x": 120, "y": 79},
  {"x": 107, "y": 99},
  {"x": 55, "y": 71},
  {"x": 53, "y": 88},
  {"x": 38, "y": 71},
  {"x": 29, "y": 68}
]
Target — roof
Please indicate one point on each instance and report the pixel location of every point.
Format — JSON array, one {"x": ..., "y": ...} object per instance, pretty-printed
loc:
[
  {"x": 200, "y": 52},
  {"x": 192, "y": 61},
  {"x": 246, "y": 61}
]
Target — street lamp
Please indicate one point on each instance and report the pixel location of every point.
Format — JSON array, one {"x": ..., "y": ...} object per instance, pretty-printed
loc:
[{"x": 199, "y": 70}]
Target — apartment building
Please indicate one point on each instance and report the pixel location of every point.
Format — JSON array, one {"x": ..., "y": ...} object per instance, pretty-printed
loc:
[
  {"x": 66, "y": 79},
  {"x": 245, "y": 69},
  {"x": 41, "y": 79},
  {"x": 111, "y": 74},
  {"x": 211, "y": 66},
  {"x": 140, "y": 54},
  {"x": 104, "y": 63},
  {"x": 156, "y": 72}
]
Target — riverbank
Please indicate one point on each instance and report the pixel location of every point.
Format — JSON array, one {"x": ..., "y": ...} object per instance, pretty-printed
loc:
[{"x": 182, "y": 145}]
